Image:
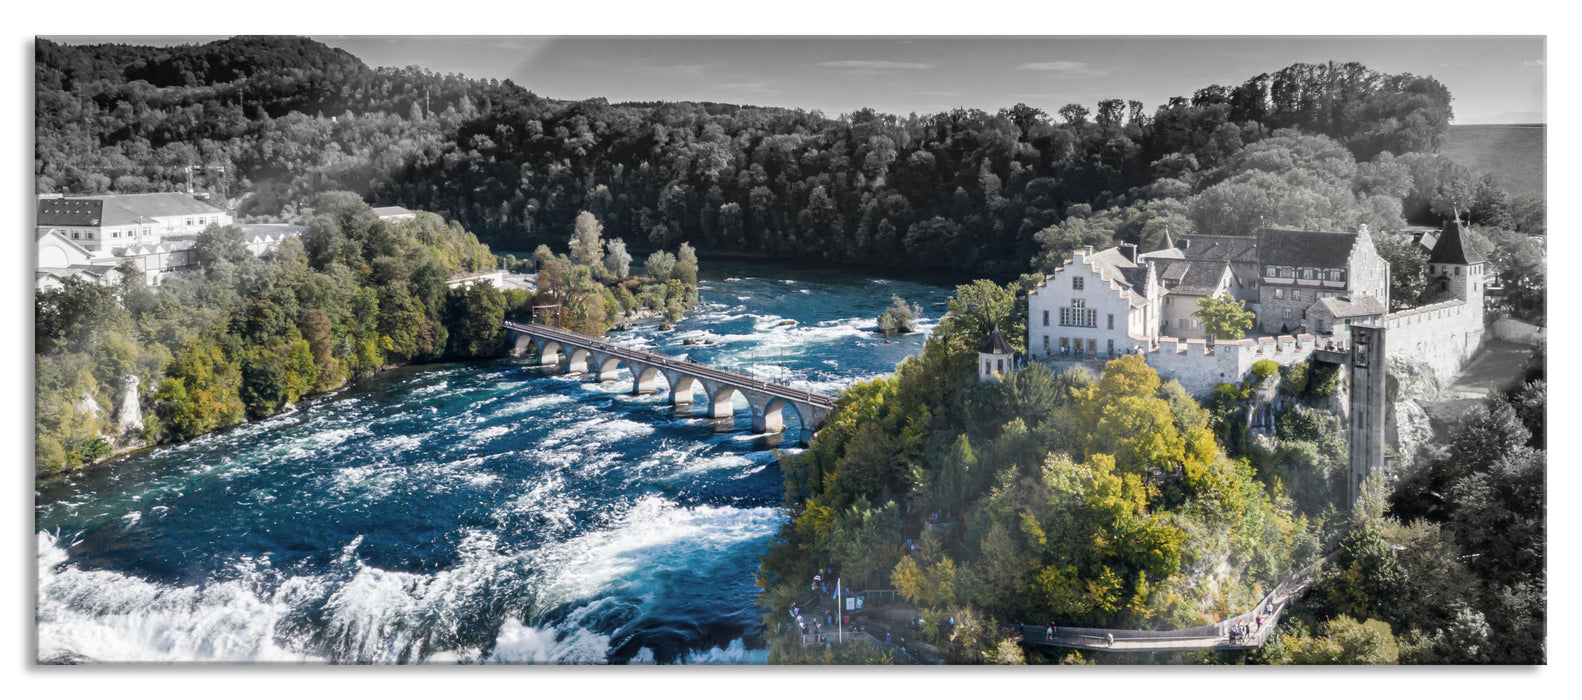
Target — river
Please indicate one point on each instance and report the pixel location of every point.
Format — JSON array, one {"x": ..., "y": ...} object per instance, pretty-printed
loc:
[{"x": 491, "y": 512}]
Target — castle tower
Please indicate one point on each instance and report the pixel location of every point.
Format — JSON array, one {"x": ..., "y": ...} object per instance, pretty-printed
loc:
[
  {"x": 995, "y": 357},
  {"x": 1456, "y": 271}
]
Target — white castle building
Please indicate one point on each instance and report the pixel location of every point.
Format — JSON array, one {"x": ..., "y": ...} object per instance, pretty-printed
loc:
[{"x": 1306, "y": 288}]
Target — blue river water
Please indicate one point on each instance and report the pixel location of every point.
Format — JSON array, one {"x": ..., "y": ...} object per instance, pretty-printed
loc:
[{"x": 492, "y": 512}]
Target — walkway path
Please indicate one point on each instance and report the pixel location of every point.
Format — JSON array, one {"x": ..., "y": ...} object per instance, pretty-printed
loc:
[{"x": 1215, "y": 636}]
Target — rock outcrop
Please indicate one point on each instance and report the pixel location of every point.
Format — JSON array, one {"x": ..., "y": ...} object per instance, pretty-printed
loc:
[{"x": 130, "y": 418}]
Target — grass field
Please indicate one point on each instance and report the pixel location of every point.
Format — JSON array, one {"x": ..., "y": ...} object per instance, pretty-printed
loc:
[{"x": 1514, "y": 153}]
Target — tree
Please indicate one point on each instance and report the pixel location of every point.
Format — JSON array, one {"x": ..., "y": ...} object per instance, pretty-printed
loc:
[
  {"x": 898, "y": 318},
  {"x": 980, "y": 307},
  {"x": 217, "y": 244},
  {"x": 686, "y": 269},
  {"x": 1346, "y": 642},
  {"x": 586, "y": 239},
  {"x": 1223, "y": 317},
  {"x": 474, "y": 316},
  {"x": 618, "y": 261},
  {"x": 1408, "y": 268},
  {"x": 659, "y": 265},
  {"x": 319, "y": 333}
]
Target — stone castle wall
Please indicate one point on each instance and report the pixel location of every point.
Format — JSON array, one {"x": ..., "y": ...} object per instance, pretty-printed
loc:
[
  {"x": 1443, "y": 336},
  {"x": 1199, "y": 366}
]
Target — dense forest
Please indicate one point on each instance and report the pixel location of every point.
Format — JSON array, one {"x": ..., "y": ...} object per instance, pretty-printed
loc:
[{"x": 273, "y": 121}]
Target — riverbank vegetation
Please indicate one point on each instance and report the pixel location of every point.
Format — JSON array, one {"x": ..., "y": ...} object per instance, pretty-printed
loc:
[
  {"x": 245, "y": 336},
  {"x": 592, "y": 288}
]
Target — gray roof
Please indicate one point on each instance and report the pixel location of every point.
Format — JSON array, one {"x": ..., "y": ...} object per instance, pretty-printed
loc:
[
  {"x": 1110, "y": 262},
  {"x": 118, "y": 210},
  {"x": 1451, "y": 250},
  {"x": 1342, "y": 307},
  {"x": 1305, "y": 248},
  {"x": 1166, "y": 254},
  {"x": 392, "y": 211},
  {"x": 996, "y": 345},
  {"x": 1231, "y": 248},
  {"x": 1193, "y": 277}
]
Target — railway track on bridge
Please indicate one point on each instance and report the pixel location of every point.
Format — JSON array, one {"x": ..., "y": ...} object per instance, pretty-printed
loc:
[
  {"x": 765, "y": 399},
  {"x": 731, "y": 377}
]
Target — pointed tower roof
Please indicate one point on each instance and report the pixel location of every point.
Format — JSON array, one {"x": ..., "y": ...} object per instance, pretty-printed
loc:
[
  {"x": 1165, "y": 242},
  {"x": 1450, "y": 250},
  {"x": 996, "y": 344}
]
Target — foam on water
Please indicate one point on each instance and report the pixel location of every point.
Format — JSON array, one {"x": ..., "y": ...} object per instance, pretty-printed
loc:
[
  {"x": 106, "y": 616},
  {"x": 653, "y": 535}
]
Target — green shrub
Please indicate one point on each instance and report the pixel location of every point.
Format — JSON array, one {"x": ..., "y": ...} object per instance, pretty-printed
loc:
[{"x": 1263, "y": 368}]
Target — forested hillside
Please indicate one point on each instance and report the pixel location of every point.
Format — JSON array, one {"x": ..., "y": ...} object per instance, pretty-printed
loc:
[{"x": 285, "y": 118}]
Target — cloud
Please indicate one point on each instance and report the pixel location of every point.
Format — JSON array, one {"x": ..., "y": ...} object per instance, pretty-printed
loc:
[
  {"x": 1064, "y": 69},
  {"x": 1534, "y": 63},
  {"x": 873, "y": 65}
]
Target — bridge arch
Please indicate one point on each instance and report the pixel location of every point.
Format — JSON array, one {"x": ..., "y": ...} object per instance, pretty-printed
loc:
[
  {"x": 645, "y": 378},
  {"x": 721, "y": 400},
  {"x": 609, "y": 366},
  {"x": 684, "y": 386},
  {"x": 549, "y": 352},
  {"x": 769, "y": 416},
  {"x": 577, "y": 361}
]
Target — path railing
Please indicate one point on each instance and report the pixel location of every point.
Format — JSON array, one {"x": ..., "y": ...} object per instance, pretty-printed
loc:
[{"x": 1214, "y": 636}]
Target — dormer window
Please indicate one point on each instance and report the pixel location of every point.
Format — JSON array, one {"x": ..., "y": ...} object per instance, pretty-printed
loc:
[{"x": 1309, "y": 273}]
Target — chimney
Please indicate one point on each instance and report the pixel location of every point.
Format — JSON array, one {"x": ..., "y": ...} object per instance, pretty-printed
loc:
[{"x": 1128, "y": 251}]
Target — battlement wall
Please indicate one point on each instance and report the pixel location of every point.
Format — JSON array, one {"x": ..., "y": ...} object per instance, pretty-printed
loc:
[
  {"x": 1443, "y": 336},
  {"x": 1199, "y": 366}
]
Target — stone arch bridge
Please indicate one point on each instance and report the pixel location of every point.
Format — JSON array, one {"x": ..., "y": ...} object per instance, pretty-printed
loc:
[{"x": 581, "y": 353}]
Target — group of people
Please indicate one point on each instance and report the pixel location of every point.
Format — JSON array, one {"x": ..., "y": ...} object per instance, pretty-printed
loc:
[{"x": 1244, "y": 630}]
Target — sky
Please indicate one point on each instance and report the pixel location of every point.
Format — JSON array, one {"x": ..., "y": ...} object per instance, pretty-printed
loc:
[{"x": 1494, "y": 80}]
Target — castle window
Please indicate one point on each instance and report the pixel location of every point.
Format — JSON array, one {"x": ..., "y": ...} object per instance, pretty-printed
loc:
[
  {"x": 1296, "y": 295},
  {"x": 1269, "y": 271},
  {"x": 1079, "y": 317},
  {"x": 1458, "y": 272},
  {"x": 1076, "y": 282},
  {"x": 1286, "y": 314},
  {"x": 1079, "y": 303},
  {"x": 1046, "y": 317},
  {"x": 1279, "y": 293},
  {"x": 1288, "y": 272},
  {"x": 1112, "y": 322},
  {"x": 1309, "y": 273}
]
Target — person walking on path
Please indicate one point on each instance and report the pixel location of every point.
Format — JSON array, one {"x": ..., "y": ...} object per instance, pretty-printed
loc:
[{"x": 1109, "y": 637}]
